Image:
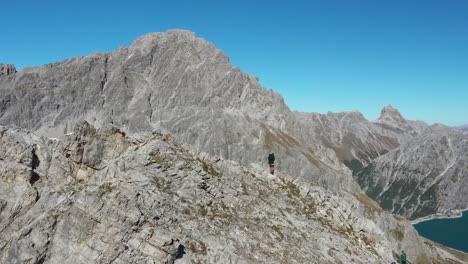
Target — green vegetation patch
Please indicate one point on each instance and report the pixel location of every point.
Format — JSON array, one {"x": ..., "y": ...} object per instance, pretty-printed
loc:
[
  {"x": 105, "y": 188},
  {"x": 197, "y": 247},
  {"x": 202, "y": 211},
  {"x": 162, "y": 184},
  {"x": 292, "y": 189},
  {"x": 277, "y": 229},
  {"x": 209, "y": 168},
  {"x": 157, "y": 157},
  {"x": 354, "y": 165},
  {"x": 429, "y": 202}
]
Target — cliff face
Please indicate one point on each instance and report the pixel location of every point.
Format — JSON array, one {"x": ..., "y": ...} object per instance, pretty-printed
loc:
[
  {"x": 7, "y": 69},
  {"x": 99, "y": 196},
  {"x": 177, "y": 83}
]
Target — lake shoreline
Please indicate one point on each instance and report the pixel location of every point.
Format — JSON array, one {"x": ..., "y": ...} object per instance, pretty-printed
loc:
[{"x": 457, "y": 214}]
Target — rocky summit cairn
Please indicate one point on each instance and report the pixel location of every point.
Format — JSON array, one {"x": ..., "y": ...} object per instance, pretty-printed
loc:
[{"x": 7, "y": 69}]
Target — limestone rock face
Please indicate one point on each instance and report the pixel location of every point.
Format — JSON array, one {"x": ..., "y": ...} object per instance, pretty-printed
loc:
[
  {"x": 99, "y": 196},
  {"x": 7, "y": 69},
  {"x": 423, "y": 176},
  {"x": 176, "y": 83},
  {"x": 350, "y": 135},
  {"x": 408, "y": 167},
  {"x": 392, "y": 118}
]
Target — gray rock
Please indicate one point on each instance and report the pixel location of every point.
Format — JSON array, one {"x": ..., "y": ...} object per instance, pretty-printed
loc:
[
  {"x": 7, "y": 69},
  {"x": 464, "y": 128},
  {"x": 423, "y": 176},
  {"x": 138, "y": 214},
  {"x": 176, "y": 83},
  {"x": 182, "y": 86}
]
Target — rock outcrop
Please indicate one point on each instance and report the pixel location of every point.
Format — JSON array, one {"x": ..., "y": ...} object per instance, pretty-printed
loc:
[
  {"x": 99, "y": 196},
  {"x": 392, "y": 118},
  {"x": 7, "y": 69}
]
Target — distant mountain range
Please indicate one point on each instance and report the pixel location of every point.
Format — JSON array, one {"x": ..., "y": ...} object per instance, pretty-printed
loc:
[
  {"x": 464, "y": 128},
  {"x": 182, "y": 86}
]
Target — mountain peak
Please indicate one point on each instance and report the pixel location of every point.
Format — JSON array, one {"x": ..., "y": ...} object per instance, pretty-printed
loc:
[
  {"x": 180, "y": 45},
  {"x": 464, "y": 127},
  {"x": 171, "y": 37},
  {"x": 389, "y": 108},
  {"x": 170, "y": 33},
  {"x": 391, "y": 116}
]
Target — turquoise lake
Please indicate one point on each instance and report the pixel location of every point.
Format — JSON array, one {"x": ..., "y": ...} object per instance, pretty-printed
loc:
[{"x": 449, "y": 232}]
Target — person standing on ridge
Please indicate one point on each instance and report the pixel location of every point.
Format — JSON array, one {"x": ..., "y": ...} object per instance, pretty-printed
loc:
[
  {"x": 403, "y": 257},
  {"x": 271, "y": 162}
]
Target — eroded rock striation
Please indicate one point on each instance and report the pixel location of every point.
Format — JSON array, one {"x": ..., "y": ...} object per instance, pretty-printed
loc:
[
  {"x": 99, "y": 196},
  {"x": 177, "y": 83},
  {"x": 180, "y": 84},
  {"x": 408, "y": 167},
  {"x": 424, "y": 176}
]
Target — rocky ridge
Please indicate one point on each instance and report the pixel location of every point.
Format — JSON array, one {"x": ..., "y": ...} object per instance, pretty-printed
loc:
[
  {"x": 181, "y": 84},
  {"x": 464, "y": 128},
  {"x": 424, "y": 176},
  {"x": 392, "y": 118},
  {"x": 177, "y": 83},
  {"x": 100, "y": 196},
  {"x": 408, "y": 167}
]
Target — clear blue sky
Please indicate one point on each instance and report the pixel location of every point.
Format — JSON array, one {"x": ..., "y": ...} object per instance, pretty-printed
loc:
[{"x": 320, "y": 55}]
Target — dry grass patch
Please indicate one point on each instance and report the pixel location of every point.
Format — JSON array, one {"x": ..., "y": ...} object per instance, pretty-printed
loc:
[{"x": 371, "y": 206}]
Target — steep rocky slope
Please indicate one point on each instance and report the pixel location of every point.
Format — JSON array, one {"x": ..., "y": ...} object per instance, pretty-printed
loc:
[
  {"x": 410, "y": 168},
  {"x": 355, "y": 139},
  {"x": 99, "y": 196},
  {"x": 178, "y": 83},
  {"x": 423, "y": 176}
]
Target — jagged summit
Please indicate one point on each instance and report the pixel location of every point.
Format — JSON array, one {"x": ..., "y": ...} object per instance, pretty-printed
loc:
[
  {"x": 176, "y": 39},
  {"x": 392, "y": 117},
  {"x": 174, "y": 82},
  {"x": 391, "y": 113}
]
